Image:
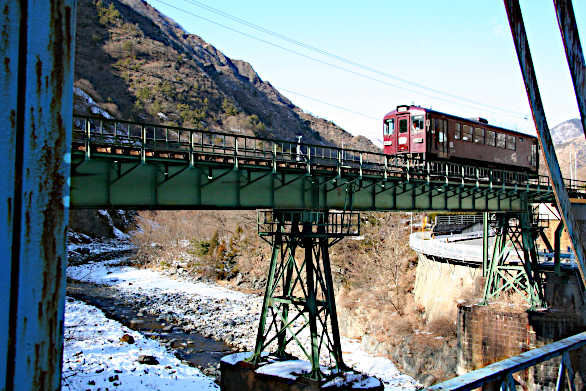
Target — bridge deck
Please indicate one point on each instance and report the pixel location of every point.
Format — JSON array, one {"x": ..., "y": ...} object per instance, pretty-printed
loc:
[{"x": 132, "y": 165}]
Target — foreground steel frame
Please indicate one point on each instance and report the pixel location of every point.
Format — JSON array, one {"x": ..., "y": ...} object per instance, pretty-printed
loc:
[
  {"x": 501, "y": 374},
  {"x": 299, "y": 294},
  {"x": 569, "y": 31},
  {"x": 36, "y": 100}
]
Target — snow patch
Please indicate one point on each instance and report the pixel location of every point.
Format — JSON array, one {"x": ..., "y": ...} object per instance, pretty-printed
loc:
[
  {"x": 145, "y": 280},
  {"x": 94, "y": 108},
  {"x": 238, "y": 315},
  {"x": 94, "y": 355},
  {"x": 290, "y": 369}
]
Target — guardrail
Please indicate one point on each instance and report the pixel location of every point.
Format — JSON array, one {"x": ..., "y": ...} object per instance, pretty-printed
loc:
[
  {"x": 500, "y": 374},
  {"x": 91, "y": 135}
]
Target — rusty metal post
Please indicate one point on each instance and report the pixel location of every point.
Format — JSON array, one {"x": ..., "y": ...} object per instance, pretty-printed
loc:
[
  {"x": 526, "y": 63},
  {"x": 569, "y": 30},
  {"x": 36, "y": 99}
]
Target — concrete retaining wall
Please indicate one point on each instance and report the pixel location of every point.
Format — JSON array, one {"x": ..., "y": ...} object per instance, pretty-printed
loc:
[{"x": 439, "y": 287}]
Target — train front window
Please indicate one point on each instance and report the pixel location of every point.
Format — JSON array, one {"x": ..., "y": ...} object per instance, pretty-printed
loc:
[
  {"x": 403, "y": 125},
  {"x": 389, "y": 127},
  {"x": 417, "y": 123}
]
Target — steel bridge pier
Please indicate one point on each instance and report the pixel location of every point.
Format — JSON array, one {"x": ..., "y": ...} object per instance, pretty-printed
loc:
[
  {"x": 299, "y": 294},
  {"x": 516, "y": 234}
]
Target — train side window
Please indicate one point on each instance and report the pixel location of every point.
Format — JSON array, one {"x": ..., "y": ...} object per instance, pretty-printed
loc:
[
  {"x": 479, "y": 136},
  {"x": 458, "y": 131},
  {"x": 417, "y": 123},
  {"x": 389, "y": 127},
  {"x": 403, "y": 125},
  {"x": 443, "y": 131},
  {"x": 501, "y": 140},
  {"x": 467, "y": 133},
  {"x": 511, "y": 143},
  {"x": 490, "y": 138}
]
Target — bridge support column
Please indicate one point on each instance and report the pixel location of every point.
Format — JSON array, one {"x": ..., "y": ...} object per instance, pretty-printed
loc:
[
  {"x": 299, "y": 296},
  {"x": 513, "y": 264}
]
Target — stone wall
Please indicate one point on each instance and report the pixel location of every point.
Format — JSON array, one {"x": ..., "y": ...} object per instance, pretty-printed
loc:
[{"x": 487, "y": 334}]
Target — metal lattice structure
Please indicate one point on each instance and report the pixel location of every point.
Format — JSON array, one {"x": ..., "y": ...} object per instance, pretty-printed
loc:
[
  {"x": 513, "y": 265},
  {"x": 299, "y": 294},
  {"x": 176, "y": 168}
]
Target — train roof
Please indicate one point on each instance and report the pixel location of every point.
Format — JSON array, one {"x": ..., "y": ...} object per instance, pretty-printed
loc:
[{"x": 411, "y": 107}]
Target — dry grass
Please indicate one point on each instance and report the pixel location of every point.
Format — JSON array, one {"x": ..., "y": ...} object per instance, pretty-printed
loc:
[
  {"x": 213, "y": 244},
  {"x": 377, "y": 276}
]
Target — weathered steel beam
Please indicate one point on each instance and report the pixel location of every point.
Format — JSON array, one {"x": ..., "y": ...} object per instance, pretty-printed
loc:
[
  {"x": 574, "y": 55},
  {"x": 526, "y": 63},
  {"x": 36, "y": 98}
]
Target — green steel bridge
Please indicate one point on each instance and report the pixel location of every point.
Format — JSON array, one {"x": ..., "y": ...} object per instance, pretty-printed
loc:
[
  {"x": 144, "y": 166},
  {"x": 314, "y": 194}
]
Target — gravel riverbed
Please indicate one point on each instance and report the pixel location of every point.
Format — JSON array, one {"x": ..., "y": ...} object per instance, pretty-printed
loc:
[{"x": 212, "y": 311}]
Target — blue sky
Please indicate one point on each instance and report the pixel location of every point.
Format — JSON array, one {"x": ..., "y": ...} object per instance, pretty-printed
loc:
[{"x": 462, "y": 48}]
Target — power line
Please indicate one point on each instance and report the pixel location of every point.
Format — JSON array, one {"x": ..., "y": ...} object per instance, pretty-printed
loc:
[
  {"x": 184, "y": 82},
  {"x": 474, "y": 105},
  {"x": 327, "y": 103},
  {"x": 342, "y": 59}
]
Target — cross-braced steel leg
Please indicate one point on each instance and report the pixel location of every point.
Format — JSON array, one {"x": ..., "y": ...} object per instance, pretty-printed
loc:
[
  {"x": 513, "y": 265},
  {"x": 299, "y": 301}
]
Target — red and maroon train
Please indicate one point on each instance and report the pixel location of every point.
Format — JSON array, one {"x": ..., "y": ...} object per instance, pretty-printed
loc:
[{"x": 414, "y": 131}]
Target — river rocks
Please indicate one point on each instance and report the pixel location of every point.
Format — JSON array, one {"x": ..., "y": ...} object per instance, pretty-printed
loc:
[
  {"x": 136, "y": 323},
  {"x": 127, "y": 338},
  {"x": 428, "y": 380},
  {"x": 147, "y": 360}
]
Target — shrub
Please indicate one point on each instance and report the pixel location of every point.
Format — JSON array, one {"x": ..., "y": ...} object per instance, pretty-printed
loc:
[
  {"x": 107, "y": 15},
  {"x": 228, "y": 107}
]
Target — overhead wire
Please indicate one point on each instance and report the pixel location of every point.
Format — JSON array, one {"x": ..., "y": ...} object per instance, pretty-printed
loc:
[
  {"x": 340, "y": 58},
  {"x": 473, "y": 105},
  {"x": 184, "y": 82},
  {"x": 327, "y": 103}
]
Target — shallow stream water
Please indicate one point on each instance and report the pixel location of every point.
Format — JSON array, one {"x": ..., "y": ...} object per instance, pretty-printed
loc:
[{"x": 191, "y": 347}]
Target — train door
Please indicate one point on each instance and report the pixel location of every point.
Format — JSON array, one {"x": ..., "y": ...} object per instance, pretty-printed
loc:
[
  {"x": 534, "y": 156},
  {"x": 390, "y": 136},
  {"x": 403, "y": 134},
  {"x": 442, "y": 138}
]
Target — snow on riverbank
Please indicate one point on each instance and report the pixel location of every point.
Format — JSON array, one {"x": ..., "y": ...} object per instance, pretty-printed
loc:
[
  {"x": 215, "y": 311},
  {"x": 95, "y": 358}
]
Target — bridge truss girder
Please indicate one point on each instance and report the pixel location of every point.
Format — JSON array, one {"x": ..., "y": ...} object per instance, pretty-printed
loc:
[{"x": 104, "y": 181}]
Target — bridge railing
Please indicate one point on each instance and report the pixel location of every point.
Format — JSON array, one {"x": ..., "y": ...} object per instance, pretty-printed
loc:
[
  {"x": 501, "y": 374},
  {"x": 92, "y": 134}
]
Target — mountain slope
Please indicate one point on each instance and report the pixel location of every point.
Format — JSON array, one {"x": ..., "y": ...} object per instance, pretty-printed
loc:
[
  {"x": 136, "y": 63},
  {"x": 569, "y": 141}
]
